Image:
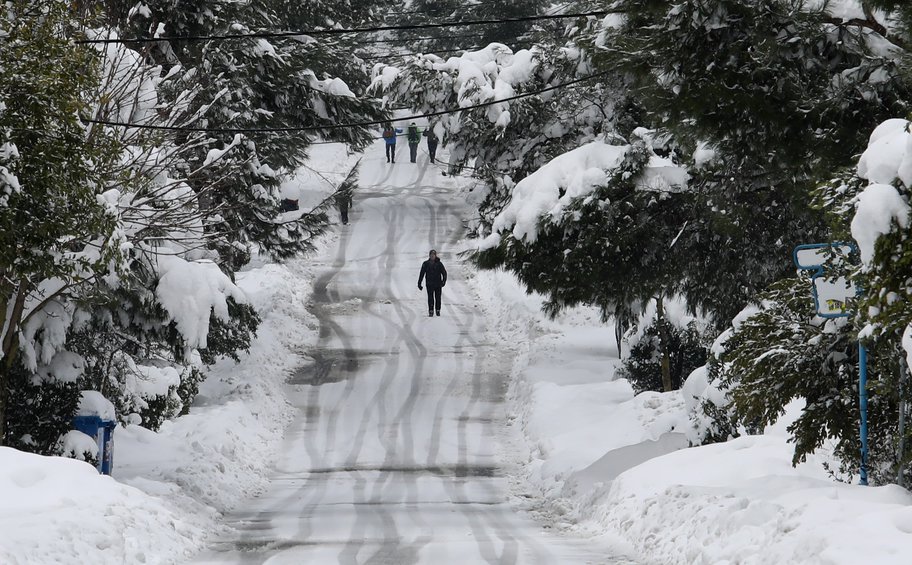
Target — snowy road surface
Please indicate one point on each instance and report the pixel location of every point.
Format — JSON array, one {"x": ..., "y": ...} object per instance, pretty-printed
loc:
[{"x": 396, "y": 455}]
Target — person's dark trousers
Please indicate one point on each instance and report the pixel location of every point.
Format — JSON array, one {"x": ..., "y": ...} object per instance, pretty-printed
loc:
[
  {"x": 413, "y": 151},
  {"x": 432, "y": 151},
  {"x": 390, "y": 152},
  {"x": 434, "y": 300}
]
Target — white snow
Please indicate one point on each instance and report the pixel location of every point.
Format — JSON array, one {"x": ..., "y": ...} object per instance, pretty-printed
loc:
[
  {"x": 889, "y": 154},
  {"x": 907, "y": 345},
  {"x": 577, "y": 173},
  {"x": 93, "y": 403},
  {"x": 191, "y": 291},
  {"x": 888, "y": 158},
  {"x": 878, "y": 207},
  {"x": 77, "y": 444},
  {"x": 59, "y": 510}
]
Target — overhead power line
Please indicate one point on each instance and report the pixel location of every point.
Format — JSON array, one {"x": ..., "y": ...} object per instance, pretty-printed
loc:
[
  {"x": 340, "y": 31},
  {"x": 293, "y": 129}
]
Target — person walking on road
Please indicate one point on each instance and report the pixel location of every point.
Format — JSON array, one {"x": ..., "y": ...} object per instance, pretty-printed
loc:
[
  {"x": 431, "y": 142},
  {"x": 344, "y": 202},
  {"x": 389, "y": 136},
  {"x": 434, "y": 276},
  {"x": 414, "y": 138}
]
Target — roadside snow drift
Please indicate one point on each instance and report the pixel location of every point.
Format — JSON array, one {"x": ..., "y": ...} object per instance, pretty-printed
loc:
[{"x": 58, "y": 510}]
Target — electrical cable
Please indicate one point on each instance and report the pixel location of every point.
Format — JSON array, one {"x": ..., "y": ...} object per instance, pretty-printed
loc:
[
  {"x": 426, "y": 38},
  {"x": 291, "y": 129},
  {"x": 341, "y": 31}
]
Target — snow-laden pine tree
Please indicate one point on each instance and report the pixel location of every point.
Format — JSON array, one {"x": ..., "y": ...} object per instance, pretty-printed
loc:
[
  {"x": 768, "y": 97},
  {"x": 255, "y": 83}
]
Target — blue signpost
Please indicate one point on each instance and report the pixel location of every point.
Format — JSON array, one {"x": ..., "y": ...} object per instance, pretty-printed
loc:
[{"x": 830, "y": 300}]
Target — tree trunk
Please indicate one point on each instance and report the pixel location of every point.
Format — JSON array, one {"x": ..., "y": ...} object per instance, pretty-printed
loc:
[
  {"x": 619, "y": 333},
  {"x": 662, "y": 322},
  {"x": 10, "y": 344}
]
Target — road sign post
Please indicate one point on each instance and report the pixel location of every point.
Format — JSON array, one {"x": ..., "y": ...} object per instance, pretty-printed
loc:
[{"x": 831, "y": 298}]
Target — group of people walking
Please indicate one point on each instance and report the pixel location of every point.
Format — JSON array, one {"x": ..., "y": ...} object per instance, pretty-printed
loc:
[
  {"x": 413, "y": 135},
  {"x": 433, "y": 274}
]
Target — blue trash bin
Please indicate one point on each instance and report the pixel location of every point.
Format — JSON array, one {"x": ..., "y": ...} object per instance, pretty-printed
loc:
[{"x": 102, "y": 431}]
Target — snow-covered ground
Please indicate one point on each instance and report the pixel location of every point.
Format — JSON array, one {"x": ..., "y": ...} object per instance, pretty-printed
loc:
[{"x": 606, "y": 462}]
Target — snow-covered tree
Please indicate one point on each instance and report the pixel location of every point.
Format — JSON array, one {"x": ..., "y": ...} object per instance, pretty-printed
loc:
[
  {"x": 56, "y": 234},
  {"x": 595, "y": 227},
  {"x": 768, "y": 97},
  {"x": 255, "y": 83},
  {"x": 504, "y": 142}
]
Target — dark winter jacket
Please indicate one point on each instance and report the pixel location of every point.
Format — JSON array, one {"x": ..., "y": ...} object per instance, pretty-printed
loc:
[
  {"x": 414, "y": 135},
  {"x": 434, "y": 273},
  {"x": 431, "y": 138}
]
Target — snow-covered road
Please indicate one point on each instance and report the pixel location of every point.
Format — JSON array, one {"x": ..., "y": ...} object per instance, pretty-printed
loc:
[{"x": 397, "y": 455}]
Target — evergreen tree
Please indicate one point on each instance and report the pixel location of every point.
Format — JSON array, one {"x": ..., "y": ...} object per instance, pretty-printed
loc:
[
  {"x": 56, "y": 234},
  {"x": 780, "y": 95},
  {"x": 258, "y": 83}
]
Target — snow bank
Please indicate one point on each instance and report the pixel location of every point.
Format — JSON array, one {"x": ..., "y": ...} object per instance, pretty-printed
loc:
[
  {"x": 174, "y": 482},
  {"x": 878, "y": 207},
  {"x": 57, "y": 510},
  {"x": 219, "y": 453},
  {"x": 742, "y": 502}
]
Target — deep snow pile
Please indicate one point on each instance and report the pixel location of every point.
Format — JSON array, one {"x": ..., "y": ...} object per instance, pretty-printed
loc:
[
  {"x": 608, "y": 462},
  {"x": 58, "y": 510}
]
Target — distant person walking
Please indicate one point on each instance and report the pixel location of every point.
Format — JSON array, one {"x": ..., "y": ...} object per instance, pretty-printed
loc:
[
  {"x": 414, "y": 138},
  {"x": 344, "y": 202},
  {"x": 431, "y": 142},
  {"x": 389, "y": 136},
  {"x": 435, "y": 276}
]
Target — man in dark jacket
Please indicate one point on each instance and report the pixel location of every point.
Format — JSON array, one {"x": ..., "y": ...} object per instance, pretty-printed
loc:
[
  {"x": 435, "y": 276},
  {"x": 414, "y": 137},
  {"x": 344, "y": 202},
  {"x": 431, "y": 142}
]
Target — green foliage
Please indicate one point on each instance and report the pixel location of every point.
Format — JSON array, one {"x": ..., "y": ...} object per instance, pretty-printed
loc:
[
  {"x": 39, "y": 413},
  {"x": 228, "y": 337},
  {"x": 53, "y": 210},
  {"x": 781, "y": 95},
  {"x": 783, "y": 353},
  {"x": 687, "y": 351},
  {"x": 612, "y": 249}
]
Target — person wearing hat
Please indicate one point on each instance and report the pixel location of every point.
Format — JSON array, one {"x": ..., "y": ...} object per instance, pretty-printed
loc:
[
  {"x": 435, "y": 276},
  {"x": 414, "y": 138}
]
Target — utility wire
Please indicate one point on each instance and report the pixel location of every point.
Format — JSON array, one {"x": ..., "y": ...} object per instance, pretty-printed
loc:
[
  {"x": 426, "y": 38},
  {"x": 340, "y": 31},
  {"x": 291, "y": 129}
]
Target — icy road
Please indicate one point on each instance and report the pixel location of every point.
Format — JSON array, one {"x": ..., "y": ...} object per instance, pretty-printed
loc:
[{"x": 398, "y": 454}]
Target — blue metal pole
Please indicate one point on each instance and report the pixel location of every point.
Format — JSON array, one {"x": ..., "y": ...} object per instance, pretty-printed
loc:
[{"x": 863, "y": 407}]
